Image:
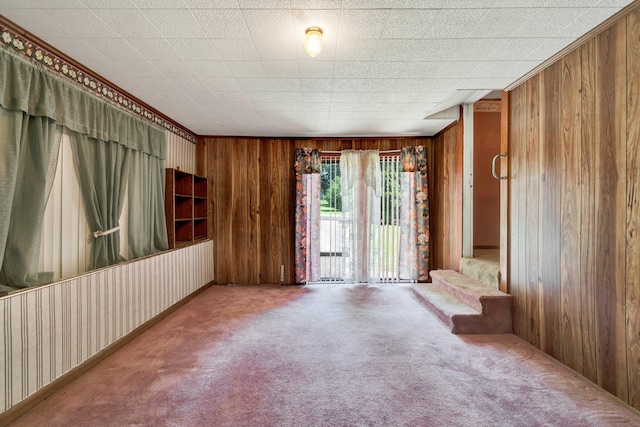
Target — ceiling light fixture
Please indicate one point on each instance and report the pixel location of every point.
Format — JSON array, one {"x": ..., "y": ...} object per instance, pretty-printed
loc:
[{"x": 313, "y": 41}]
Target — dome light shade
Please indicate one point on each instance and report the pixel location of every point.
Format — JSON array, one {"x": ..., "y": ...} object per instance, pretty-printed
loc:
[{"x": 313, "y": 41}]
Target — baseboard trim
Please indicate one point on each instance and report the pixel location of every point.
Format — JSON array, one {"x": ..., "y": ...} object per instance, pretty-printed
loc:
[{"x": 30, "y": 402}]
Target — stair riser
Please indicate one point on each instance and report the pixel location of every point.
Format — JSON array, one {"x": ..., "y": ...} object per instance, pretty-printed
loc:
[
  {"x": 444, "y": 318},
  {"x": 472, "y": 300}
]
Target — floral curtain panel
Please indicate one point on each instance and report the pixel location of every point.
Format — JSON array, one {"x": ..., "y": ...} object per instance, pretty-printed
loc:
[
  {"x": 414, "y": 215},
  {"x": 307, "y": 168}
]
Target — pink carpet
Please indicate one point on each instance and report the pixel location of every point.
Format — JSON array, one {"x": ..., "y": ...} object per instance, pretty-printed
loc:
[{"x": 324, "y": 356}]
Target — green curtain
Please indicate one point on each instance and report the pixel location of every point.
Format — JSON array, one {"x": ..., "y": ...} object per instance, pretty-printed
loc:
[
  {"x": 147, "y": 225},
  {"x": 37, "y": 92},
  {"x": 102, "y": 168},
  {"x": 29, "y": 149}
]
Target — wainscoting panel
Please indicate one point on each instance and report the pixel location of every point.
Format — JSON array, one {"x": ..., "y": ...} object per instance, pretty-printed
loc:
[
  {"x": 47, "y": 331},
  {"x": 181, "y": 153}
]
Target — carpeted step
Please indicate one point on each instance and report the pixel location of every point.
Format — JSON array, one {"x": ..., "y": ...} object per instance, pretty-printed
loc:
[{"x": 466, "y": 305}]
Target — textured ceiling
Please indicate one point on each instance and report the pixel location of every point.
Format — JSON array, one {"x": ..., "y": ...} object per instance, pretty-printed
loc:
[{"x": 238, "y": 67}]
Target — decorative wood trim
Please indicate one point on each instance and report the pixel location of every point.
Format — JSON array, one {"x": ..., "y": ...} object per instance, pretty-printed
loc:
[{"x": 39, "y": 51}]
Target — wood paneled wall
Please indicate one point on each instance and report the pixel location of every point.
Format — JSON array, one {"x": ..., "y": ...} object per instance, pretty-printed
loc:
[
  {"x": 252, "y": 200},
  {"x": 575, "y": 243},
  {"x": 446, "y": 215}
]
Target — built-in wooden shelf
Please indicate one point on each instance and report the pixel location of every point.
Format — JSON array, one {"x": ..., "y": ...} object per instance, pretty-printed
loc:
[{"x": 185, "y": 207}]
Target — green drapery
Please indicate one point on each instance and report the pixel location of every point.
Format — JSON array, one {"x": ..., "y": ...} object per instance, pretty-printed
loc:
[
  {"x": 102, "y": 170},
  {"x": 110, "y": 135},
  {"x": 147, "y": 226},
  {"x": 31, "y": 89},
  {"x": 29, "y": 149}
]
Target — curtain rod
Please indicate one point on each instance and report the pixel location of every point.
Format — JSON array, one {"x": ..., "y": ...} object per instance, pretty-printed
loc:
[{"x": 339, "y": 152}]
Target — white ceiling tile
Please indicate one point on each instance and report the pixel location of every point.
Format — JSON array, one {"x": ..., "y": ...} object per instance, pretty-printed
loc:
[
  {"x": 367, "y": 4},
  {"x": 316, "y": 4},
  {"x": 438, "y": 70},
  {"x": 383, "y": 70},
  {"x": 235, "y": 49},
  {"x": 412, "y": 85},
  {"x": 266, "y": 85},
  {"x": 586, "y": 22},
  {"x": 316, "y": 85},
  {"x": 37, "y": 4},
  {"x": 288, "y": 97},
  {"x": 316, "y": 69},
  {"x": 174, "y": 68},
  {"x": 548, "y": 22},
  {"x": 356, "y": 49},
  {"x": 208, "y": 4},
  {"x": 158, "y": 4},
  {"x": 230, "y": 97},
  {"x": 384, "y": 63},
  {"x": 363, "y": 23},
  {"x": 136, "y": 68},
  {"x": 109, "y": 4},
  {"x": 455, "y": 49},
  {"x": 432, "y": 23},
  {"x": 158, "y": 83},
  {"x": 281, "y": 69},
  {"x": 195, "y": 49},
  {"x": 245, "y": 68},
  {"x": 351, "y": 70},
  {"x": 270, "y": 24},
  {"x": 210, "y": 68},
  {"x": 221, "y": 84},
  {"x": 222, "y": 23},
  {"x": 515, "y": 48},
  {"x": 518, "y": 69},
  {"x": 154, "y": 49},
  {"x": 127, "y": 23},
  {"x": 276, "y": 49},
  {"x": 175, "y": 23},
  {"x": 396, "y": 49},
  {"x": 78, "y": 49},
  {"x": 502, "y": 23},
  {"x": 546, "y": 49},
  {"x": 82, "y": 22},
  {"x": 364, "y": 85},
  {"x": 42, "y": 25},
  {"x": 263, "y": 4}
]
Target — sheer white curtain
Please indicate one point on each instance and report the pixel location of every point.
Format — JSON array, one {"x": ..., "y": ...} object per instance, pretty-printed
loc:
[{"x": 361, "y": 183}]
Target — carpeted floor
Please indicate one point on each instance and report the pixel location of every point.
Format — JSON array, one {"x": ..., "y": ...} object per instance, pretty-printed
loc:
[{"x": 324, "y": 356}]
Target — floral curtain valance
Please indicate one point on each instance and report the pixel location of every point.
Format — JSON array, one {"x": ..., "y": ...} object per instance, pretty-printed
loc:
[{"x": 32, "y": 90}]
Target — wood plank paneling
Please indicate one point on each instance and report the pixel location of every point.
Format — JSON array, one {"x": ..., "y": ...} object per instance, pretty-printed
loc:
[
  {"x": 588, "y": 266},
  {"x": 585, "y": 185},
  {"x": 550, "y": 180},
  {"x": 570, "y": 276},
  {"x": 252, "y": 199},
  {"x": 611, "y": 208},
  {"x": 518, "y": 139},
  {"x": 632, "y": 303},
  {"x": 531, "y": 218}
]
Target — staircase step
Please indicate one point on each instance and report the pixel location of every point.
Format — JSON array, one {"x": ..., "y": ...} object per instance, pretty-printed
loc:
[
  {"x": 465, "y": 305},
  {"x": 465, "y": 288}
]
